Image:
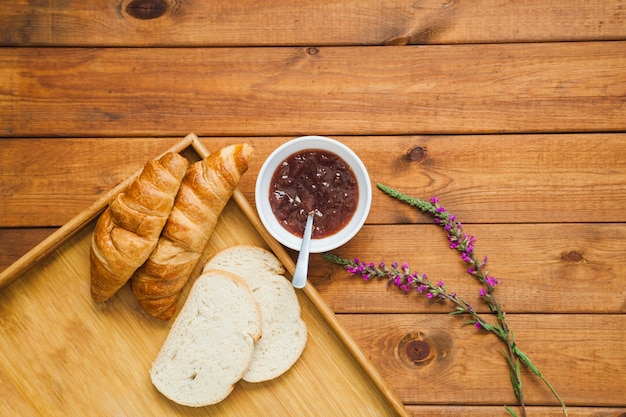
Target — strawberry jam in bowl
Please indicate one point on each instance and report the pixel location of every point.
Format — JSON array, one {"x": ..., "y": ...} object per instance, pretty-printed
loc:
[{"x": 313, "y": 175}]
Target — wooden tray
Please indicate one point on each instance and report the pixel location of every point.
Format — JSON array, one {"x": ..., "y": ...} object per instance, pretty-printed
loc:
[{"x": 64, "y": 355}]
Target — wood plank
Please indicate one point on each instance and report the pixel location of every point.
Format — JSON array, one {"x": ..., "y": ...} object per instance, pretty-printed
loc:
[
  {"x": 541, "y": 268},
  {"x": 483, "y": 179},
  {"x": 551, "y": 264},
  {"x": 583, "y": 357},
  {"x": 14, "y": 243},
  {"x": 494, "y": 411},
  {"x": 320, "y": 22},
  {"x": 500, "y": 178},
  {"x": 551, "y": 87},
  {"x": 46, "y": 182}
]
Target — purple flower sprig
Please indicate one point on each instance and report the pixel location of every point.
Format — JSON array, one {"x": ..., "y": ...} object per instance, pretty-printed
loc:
[
  {"x": 464, "y": 243},
  {"x": 407, "y": 281},
  {"x": 458, "y": 240}
]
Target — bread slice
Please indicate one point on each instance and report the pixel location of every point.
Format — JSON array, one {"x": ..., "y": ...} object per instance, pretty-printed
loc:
[
  {"x": 246, "y": 261},
  {"x": 284, "y": 331},
  {"x": 211, "y": 342}
]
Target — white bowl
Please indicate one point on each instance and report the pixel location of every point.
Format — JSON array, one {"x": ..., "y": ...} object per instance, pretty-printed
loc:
[{"x": 263, "y": 185}]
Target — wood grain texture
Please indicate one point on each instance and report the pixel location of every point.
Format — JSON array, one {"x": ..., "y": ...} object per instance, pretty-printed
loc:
[
  {"x": 495, "y": 411},
  {"x": 512, "y": 112},
  {"x": 14, "y": 243},
  {"x": 550, "y": 264},
  {"x": 551, "y": 87},
  {"x": 320, "y": 22},
  {"x": 551, "y": 178},
  {"x": 34, "y": 172},
  {"x": 466, "y": 367},
  {"x": 542, "y": 268}
]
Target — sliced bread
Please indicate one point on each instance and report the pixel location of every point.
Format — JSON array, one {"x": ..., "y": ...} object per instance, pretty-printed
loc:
[
  {"x": 211, "y": 342},
  {"x": 284, "y": 331},
  {"x": 246, "y": 261}
]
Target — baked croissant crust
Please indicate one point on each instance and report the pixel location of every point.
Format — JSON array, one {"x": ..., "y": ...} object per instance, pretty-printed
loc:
[
  {"x": 129, "y": 228},
  {"x": 204, "y": 192}
]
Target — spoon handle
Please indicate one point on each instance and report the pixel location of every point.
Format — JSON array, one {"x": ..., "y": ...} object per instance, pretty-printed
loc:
[{"x": 302, "y": 265}]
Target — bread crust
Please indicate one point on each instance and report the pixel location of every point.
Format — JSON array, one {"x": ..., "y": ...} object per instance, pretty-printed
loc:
[
  {"x": 129, "y": 228},
  {"x": 204, "y": 192}
]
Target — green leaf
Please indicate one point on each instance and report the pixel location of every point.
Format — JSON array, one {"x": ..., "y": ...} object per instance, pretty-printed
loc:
[
  {"x": 510, "y": 410},
  {"x": 459, "y": 310},
  {"x": 487, "y": 326},
  {"x": 526, "y": 360},
  {"x": 515, "y": 383}
]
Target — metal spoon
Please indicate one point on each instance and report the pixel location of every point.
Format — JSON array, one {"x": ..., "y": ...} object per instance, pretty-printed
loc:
[{"x": 302, "y": 265}]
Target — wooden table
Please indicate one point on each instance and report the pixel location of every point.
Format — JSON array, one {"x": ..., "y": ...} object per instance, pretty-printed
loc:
[{"x": 512, "y": 113}]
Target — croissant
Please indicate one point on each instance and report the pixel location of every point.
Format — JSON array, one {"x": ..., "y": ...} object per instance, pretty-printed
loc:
[
  {"x": 129, "y": 228},
  {"x": 204, "y": 192}
]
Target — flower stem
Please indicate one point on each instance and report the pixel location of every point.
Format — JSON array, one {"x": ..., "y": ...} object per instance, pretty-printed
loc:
[
  {"x": 463, "y": 243},
  {"x": 402, "y": 278}
]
